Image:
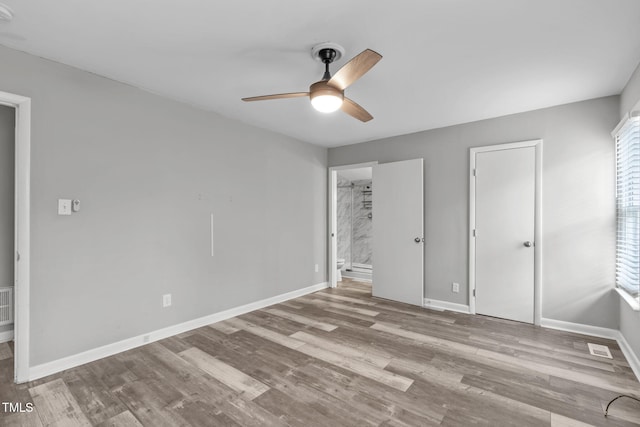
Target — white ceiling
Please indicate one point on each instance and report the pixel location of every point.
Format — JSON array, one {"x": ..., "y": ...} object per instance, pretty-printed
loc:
[{"x": 444, "y": 61}]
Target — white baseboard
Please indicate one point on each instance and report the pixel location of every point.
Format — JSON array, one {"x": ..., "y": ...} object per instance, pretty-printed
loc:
[
  {"x": 359, "y": 279},
  {"x": 49, "y": 368},
  {"x": 357, "y": 275},
  {"x": 445, "y": 305},
  {"x": 597, "y": 331},
  {"x": 578, "y": 328},
  {"x": 628, "y": 352},
  {"x": 6, "y": 336}
]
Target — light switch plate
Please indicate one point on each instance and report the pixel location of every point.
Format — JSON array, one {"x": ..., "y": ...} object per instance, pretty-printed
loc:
[
  {"x": 64, "y": 207},
  {"x": 166, "y": 300}
]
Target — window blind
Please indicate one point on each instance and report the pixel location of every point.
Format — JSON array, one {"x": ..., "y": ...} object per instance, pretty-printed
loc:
[{"x": 628, "y": 206}]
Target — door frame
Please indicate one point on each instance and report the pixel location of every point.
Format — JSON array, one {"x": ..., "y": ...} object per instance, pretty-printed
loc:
[
  {"x": 22, "y": 270},
  {"x": 538, "y": 244},
  {"x": 333, "y": 217}
]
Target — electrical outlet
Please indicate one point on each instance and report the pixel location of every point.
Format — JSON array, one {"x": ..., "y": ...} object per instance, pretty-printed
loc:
[
  {"x": 455, "y": 287},
  {"x": 145, "y": 339},
  {"x": 166, "y": 300},
  {"x": 316, "y": 268}
]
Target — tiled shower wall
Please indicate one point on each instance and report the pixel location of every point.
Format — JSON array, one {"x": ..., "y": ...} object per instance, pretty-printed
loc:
[{"x": 362, "y": 220}]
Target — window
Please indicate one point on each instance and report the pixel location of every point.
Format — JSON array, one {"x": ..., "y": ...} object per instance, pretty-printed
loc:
[{"x": 627, "y": 140}]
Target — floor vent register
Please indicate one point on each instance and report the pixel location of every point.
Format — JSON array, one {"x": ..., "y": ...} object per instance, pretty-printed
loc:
[{"x": 599, "y": 350}]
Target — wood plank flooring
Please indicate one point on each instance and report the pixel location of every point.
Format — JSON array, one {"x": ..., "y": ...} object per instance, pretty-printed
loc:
[{"x": 339, "y": 357}]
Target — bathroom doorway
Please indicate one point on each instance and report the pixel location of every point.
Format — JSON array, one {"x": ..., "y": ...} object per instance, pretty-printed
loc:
[
  {"x": 351, "y": 215},
  {"x": 354, "y": 223},
  {"x": 7, "y": 221},
  {"x": 21, "y": 106}
]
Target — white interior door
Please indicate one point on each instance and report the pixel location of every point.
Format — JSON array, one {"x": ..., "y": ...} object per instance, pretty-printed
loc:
[
  {"x": 504, "y": 233},
  {"x": 398, "y": 245}
]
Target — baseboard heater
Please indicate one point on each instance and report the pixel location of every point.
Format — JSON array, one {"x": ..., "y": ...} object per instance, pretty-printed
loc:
[{"x": 6, "y": 306}]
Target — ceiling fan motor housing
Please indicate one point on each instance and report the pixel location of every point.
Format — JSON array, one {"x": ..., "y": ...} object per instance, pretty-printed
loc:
[{"x": 321, "y": 88}]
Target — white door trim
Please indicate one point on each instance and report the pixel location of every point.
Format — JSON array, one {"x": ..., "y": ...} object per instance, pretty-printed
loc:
[
  {"x": 537, "y": 280},
  {"x": 22, "y": 106},
  {"x": 333, "y": 217}
]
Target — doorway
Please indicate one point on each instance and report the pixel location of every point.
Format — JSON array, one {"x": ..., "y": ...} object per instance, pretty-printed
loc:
[
  {"x": 7, "y": 221},
  {"x": 355, "y": 217},
  {"x": 397, "y": 225},
  {"x": 505, "y": 241},
  {"x": 350, "y": 218},
  {"x": 21, "y": 270}
]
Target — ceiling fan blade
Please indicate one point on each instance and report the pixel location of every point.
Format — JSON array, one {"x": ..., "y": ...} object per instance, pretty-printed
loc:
[
  {"x": 276, "y": 96},
  {"x": 354, "y": 69},
  {"x": 355, "y": 110}
]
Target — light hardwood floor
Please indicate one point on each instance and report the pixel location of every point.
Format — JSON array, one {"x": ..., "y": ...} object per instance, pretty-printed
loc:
[{"x": 339, "y": 357}]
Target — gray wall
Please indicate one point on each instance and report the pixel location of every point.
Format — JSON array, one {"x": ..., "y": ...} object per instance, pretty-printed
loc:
[
  {"x": 629, "y": 319},
  {"x": 149, "y": 171},
  {"x": 630, "y": 96},
  {"x": 7, "y": 167},
  {"x": 578, "y": 202}
]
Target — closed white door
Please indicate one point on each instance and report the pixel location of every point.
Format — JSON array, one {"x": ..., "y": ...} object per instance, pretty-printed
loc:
[
  {"x": 504, "y": 233},
  {"x": 398, "y": 246}
]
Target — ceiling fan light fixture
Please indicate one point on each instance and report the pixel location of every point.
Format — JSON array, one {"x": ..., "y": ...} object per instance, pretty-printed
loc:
[
  {"x": 326, "y": 103},
  {"x": 325, "y": 98}
]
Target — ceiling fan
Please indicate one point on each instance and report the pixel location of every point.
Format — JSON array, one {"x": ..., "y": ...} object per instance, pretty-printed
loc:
[{"x": 327, "y": 95}]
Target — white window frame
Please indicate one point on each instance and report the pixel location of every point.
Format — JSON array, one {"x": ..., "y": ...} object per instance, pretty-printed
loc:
[{"x": 630, "y": 122}]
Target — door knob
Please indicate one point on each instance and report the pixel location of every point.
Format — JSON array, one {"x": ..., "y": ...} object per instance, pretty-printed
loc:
[
  {"x": 528, "y": 244},
  {"x": 417, "y": 239}
]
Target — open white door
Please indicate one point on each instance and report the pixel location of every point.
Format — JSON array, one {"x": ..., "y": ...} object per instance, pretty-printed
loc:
[{"x": 398, "y": 221}]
